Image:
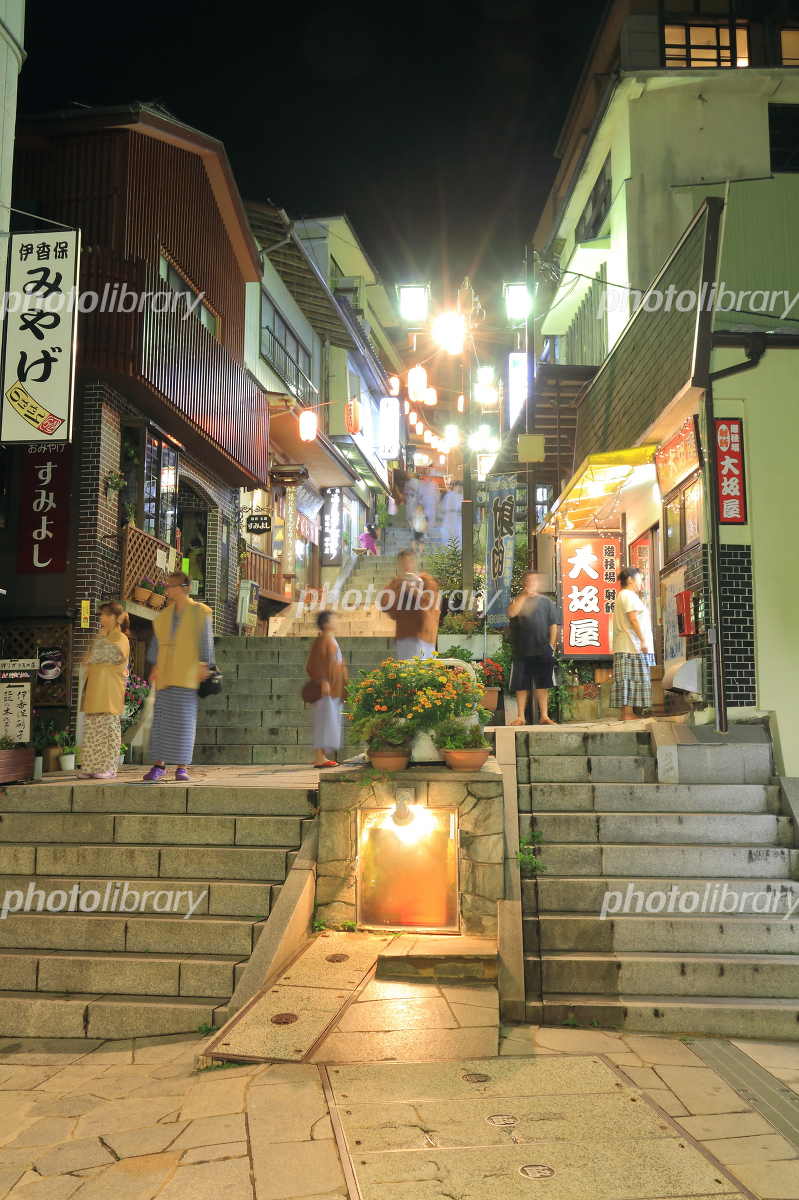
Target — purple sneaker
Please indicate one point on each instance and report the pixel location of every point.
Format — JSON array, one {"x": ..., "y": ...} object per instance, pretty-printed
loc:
[
  {"x": 155, "y": 775},
  {"x": 182, "y": 775}
]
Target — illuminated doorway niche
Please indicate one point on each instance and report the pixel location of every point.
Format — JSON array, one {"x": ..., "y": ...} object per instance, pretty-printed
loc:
[{"x": 407, "y": 875}]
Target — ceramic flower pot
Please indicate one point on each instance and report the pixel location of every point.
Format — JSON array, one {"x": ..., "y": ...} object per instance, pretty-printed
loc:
[
  {"x": 490, "y": 698},
  {"x": 465, "y": 760},
  {"x": 67, "y": 762},
  {"x": 38, "y": 766},
  {"x": 424, "y": 749},
  {"x": 16, "y": 765},
  {"x": 388, "y": 760},
  {"x": 51, "y": 757},
  {"x": 141, "y": 595}
]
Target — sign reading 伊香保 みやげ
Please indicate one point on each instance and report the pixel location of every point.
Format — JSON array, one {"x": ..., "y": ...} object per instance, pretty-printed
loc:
[
  {"x": 501, "y": 495},
  {"x": 728, "y": 447},
  {"x": 589, "y": 571},
  {"x": 39, "y": 336}
]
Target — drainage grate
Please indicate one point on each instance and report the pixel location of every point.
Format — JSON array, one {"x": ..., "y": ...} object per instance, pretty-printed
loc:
[{"x": 767, "y": 1095}]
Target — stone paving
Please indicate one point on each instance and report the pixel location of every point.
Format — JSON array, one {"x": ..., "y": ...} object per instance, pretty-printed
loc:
[
  {"x": 273, "y": 775},
  {"x": 579, "y": 1114}
]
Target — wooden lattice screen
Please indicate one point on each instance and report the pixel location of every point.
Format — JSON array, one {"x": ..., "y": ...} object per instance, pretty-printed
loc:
[
  {"x": 25, "y": 640},
  {"x": 140, "y": 554}
]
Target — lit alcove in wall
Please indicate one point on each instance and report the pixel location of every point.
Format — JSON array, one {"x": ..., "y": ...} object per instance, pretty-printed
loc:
[{"x": 407, "y": 868}]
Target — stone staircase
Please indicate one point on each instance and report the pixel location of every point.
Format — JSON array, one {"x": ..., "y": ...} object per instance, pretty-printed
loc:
[
  {"x": 607, "y": 826},
  {"x": 100, "y": 971},
  {"x": 259, "y": 717}
]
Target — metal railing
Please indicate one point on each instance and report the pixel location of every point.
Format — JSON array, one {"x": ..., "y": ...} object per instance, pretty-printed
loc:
[{"x": 288, "y": 368}]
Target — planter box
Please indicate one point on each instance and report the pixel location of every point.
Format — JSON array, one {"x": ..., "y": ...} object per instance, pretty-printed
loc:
[
  {"x": 479, "y": 645},
  {"x": 16, "y": 765}
]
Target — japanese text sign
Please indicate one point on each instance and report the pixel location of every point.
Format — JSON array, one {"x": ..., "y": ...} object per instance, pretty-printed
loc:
[
  {"x": 501, "y": 530},
  {"x": 677, "y": 457},
  {"x": 44, "y": 510},
  {"x": 15, "y": 698},
  {"x": 39, "y": 337},
  {"x": 331, "y": 527},
  {"x": 728, "y": 447},
  {"x": 589, "y": 571}
]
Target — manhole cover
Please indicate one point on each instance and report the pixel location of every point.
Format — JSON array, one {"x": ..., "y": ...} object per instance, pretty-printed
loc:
[
  {"x": 284, "y": 1018},
  {"x": 537, "y": 1171},
  {"x": 475, "y": 1078},
  {"x": 337, "y": 958}
]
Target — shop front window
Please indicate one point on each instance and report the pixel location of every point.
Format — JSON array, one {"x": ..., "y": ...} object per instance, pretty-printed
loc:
[
  {"x": 160, "y": 488},
  {"x": 683, "y": 513}
]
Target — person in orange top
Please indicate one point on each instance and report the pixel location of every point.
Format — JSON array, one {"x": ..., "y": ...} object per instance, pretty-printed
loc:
[
  {"x": 415, "y": 607},
  {"x": 325, "y": 666}
]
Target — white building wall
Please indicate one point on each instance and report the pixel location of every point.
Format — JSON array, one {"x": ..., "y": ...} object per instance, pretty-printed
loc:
[{"x": 12, "y": 31}]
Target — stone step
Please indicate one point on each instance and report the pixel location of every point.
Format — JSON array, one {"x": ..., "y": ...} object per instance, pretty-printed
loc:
[
  {"x": 252, "y": 645},
  {"x": 645, "y": 974},
  {"x": 734, "y": 934},
  {"x": 585, "y": 894},
  {"x": 152, "y": 862},
  {"x": 652, "y": 797},
  {"x": 731, "y": 1017},
  {"x": 158, "y": 798},
  {"x": 289, "y": 654},
  {"x": 243, "y": 754},
  {"x": 130, "y": 932},
  {"x": 616, "y": 743},
  {"x": 643, "y": 828},
  {"x": 591, "y": 768},
  {"x": 146, "y": 829},
  {"x": 50, "y": 1015},
  {"x": 118, "y": 974},
  {"x": 667, "y": 861},
  {"x": 286, "y": 735},
  {"x": 411, "y": 957},
  {"x": 220, "y": 898}
]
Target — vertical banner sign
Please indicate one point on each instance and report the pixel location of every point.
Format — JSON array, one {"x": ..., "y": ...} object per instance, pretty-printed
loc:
[
  {"x": 501, "y": 529},
  {"x": 331, "y": 527},
  {"x": 39, "y": 337},
  {"x": 15, "y": 698},
  {"x": 728, "y": 447},
  {"x": 44, "y": 510},
  {"x": 589, "y": 571}
]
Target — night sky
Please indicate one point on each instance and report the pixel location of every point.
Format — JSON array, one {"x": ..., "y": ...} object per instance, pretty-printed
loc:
[{"x": 433, "y": 125}]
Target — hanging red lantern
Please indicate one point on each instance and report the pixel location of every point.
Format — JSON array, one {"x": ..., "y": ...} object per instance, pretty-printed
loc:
[
  {"x": 352, "y": 416},
  {"x": 309, "y": 425}
]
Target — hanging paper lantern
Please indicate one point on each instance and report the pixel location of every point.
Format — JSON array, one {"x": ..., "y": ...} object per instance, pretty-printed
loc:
[
  {"x": 417, "y": 384},
  {"x": 419, "y": 428},
  {"x": 352, "y": 416},
  {"x": 413, "y": 416},
  {"x": 406, "y": 406},
  {"x": 428, "y": 437},
  {"x": 442, "y": 458},
  {"x": 393, "y": 385},
  {"x": 430, "y": 396},
  {"x": 461, "y": 403},
  {"x": 309, "y": 425}
]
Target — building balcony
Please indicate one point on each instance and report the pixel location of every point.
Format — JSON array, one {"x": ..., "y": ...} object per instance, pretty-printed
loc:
[
  {"x": 265, "y": 571},
  {"x": 176, "y": 370},
  {"x": 287, "y": 368}
]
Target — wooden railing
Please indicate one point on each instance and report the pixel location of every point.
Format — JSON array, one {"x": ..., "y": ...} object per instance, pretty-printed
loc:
[
  {"x": 265, "y": 571},
  {"x": 143, "y": 557}
]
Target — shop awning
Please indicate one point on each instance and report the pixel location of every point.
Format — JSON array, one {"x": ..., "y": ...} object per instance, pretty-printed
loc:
[{"x": 589, "y": 498}]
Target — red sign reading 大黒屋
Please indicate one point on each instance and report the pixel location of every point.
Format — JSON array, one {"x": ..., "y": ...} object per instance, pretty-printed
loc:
[
  {"x": 728, "y": 447},
  {"x": 589, "y": 572}
]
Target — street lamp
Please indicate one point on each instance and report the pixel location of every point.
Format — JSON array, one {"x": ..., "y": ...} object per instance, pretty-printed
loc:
[
  {"x": 518, "y": 302},
  {"x": 414, "y": 302},
  {"x": 449, "y": 332}
]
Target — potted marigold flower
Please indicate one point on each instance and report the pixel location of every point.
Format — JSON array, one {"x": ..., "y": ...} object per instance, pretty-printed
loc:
[
  {"x": 464, "y": 746},
  {"x": 420, "y": 693}
]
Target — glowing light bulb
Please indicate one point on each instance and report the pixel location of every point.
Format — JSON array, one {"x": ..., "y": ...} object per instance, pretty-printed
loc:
[
  {"x": 309, "y": 425},
  {"x": 430, "y": 396}
]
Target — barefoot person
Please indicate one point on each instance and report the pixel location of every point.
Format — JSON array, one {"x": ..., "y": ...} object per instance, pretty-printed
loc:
[
  {"x": 415, "y": 608},
  {"x": 533, "y": 637},
  {"x": 325, "y": 666},
  {"x": 181, "y": 651},
  {"x": 632, "y": 647},
  {"x": 103, "y": 700}
]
